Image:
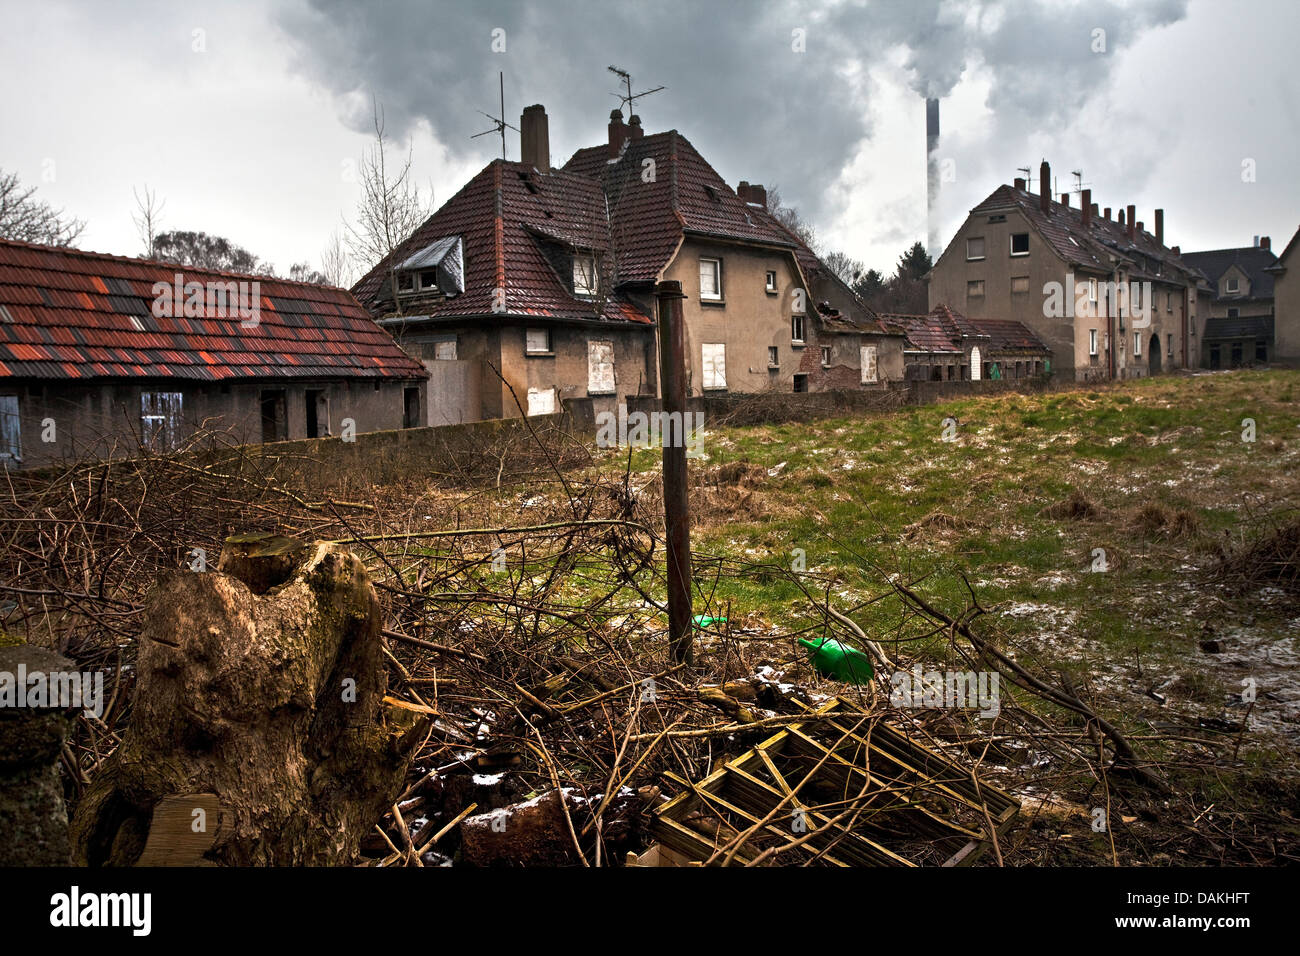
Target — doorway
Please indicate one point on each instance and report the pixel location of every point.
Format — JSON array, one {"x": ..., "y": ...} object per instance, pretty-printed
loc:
[
  {"x": 313, "y": 403},
  {"x": 1153, "y": 354},
  {"x": 275, "y": 419}
]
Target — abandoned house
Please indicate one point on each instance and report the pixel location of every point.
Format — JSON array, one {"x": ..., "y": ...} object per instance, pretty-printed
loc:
[
  {"x": 1286, "y": 302},
  {"x": 545, "y": 292},
  {"x": 100, "y": 355},
  {"x": 945, "y": 345},
  {"x": 1105, "y": 295},
  {"x": 1237, "y": 328}
]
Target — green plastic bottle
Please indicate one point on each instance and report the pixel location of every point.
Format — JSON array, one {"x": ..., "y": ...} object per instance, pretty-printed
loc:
[
  {"x": 703, "y": 620},
  {"x": 833, "y": 659}
]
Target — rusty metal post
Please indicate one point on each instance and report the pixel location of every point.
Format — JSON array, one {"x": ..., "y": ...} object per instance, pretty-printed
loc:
[{"x": 677, "y": 517}]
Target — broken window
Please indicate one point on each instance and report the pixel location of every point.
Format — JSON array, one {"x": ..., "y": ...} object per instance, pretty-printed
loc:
[
  {"x": 714, "y": 364},
  {"x": 796, "y": 328},
  {"x": 541, "y": 401},
  {"x": 771, "y": 280},
  {"x": 584, "y": 275},
  {"x": 711, "y": 279},
  {"x": 868, "y": 356},
  {"x": 600, "y": 368},
  {"x": 773, "y": 357},
  {"x": 11, "y": 447},
  {"x": 826, "y": 356},
  {"x": 160, "y": 420},
  {"x": 537, "y": 341},
  {"x": 801, "y": 383}
]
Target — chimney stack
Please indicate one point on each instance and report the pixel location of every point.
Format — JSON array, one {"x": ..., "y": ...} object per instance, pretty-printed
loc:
[
  {"x": 618, "y": 133},
  {"x": 1107, "y": 212},
  {"x": 1044, "y": 186},
  {"x": 1256, "y": 243},
  {"x": 1121, "y": 217},
  {"x": 1160, "y": 227},
  {"x": 1065, "y": 200},
  {"x": 1020, "y": 183},
  {"x": 535, "y": 138},
  {"x": 1087, "y": 208},
  {"x": 1265, "y": 242},
  {"x": 1176, "y": 251},
  {"x": 1132, "y": 219},
  {"x": 634, "y": 127},
  {"x": 758, "y": 194}
]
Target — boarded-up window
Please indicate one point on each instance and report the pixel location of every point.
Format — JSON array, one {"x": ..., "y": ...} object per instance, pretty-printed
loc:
[
  {"x": 976, "y": 369},
  {"x": 868, "y": 364},
  {"x": 714, "y": 365},
  {"x": 11, "y": 446},
  {"x": 445, "y": 351},
  {"x": 541, "y": 401},
  {"x": 974, "y": 288},
  {"x": 160, "y": 420},
  {"x": 537, "y": 340},
  {"x": 1020, "y": 283},
  {"x": 600, "y": 368}
]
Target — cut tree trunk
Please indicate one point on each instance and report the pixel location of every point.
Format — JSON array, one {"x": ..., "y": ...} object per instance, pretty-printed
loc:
[{"x": 259, "y": 733}]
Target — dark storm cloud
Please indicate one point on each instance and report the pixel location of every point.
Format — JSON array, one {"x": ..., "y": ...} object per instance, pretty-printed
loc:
[{"x": 755, "y": 107}]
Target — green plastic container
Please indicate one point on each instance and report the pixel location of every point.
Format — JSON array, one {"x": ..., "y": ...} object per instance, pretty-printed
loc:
[
  {"x": 839, "y": 661},
  {"x": 703, "y": 620}
]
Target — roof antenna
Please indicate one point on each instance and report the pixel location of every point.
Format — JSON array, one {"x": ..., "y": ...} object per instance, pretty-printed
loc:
[
  {"x": 1026, "y": 171},
  {"x": 1078, "y": 180},
  {"x": 500, "y": 122},
  {"x": 630, "y": 99}
]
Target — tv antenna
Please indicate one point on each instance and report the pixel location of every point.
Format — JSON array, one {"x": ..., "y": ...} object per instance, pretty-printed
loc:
[
  {"x": 630, "y": 99},
  {"x": 500, "y": 124},
  {"x": 1028, "y": 181},
  {"x": 1078, "y": 180}
]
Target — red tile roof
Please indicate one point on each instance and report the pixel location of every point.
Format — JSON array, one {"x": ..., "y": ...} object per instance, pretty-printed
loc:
[
  {"x": 69, "y": 314},
  {"x": 944, "y": 330}
]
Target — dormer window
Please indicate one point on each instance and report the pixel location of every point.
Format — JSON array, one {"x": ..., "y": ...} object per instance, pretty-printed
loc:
[
  {"x": 406, "y": 282},
  {"x": 428, "y": 280},
  {"x": 425, "y": 280},
  {"x": 1231, "y": 285},
  {"x": 584, "y": 275}
]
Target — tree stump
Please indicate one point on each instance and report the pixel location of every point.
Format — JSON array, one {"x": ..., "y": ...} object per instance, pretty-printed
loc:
[
  {"x": 33, "y": 816},
  {"x": 260, "y": 734}
]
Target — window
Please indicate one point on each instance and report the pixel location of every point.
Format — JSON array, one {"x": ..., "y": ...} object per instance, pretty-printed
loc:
[
  {"x": 1092, "y": 341},
  {"x": 1092, "y": 291},
  {"x": 445, "y": 351},
  {"x": 11, "y": 447},
  {"x": 584, "y": 275},
  {"x": 411, "y": 407},
  {"x": 801, "y": 383},
  {"x": 826, "y": 356},
  {"x": 537, "y": 342},
  {"x": 1019, "y": 284},
  {"x": 1170, "y": 340},
  {"x": 600, "y": 368},
  {"x": 1137, "y": 344},
  {"x": 160, "y": 420},
  {"x": 711, "y": 279},
  {"x": 771, "y": 280},
  {"x": 275, "y": 417},
  {"x": 1236, "y": 354},
  {"x": 796, "y": 329},
  {"x": 975, "y": 288},
  {"x": 1231, "y": 285},
  {"x": 541, "y": 401},
  {"x": 313, "y": 402},
  {"x": 1261, "y": 350},
  {"x": 1169, "y": 302},
  {"x": 1135, "y": 295},
  {"x": 974, "y": 249},
  {"x": 429, "y": 280},
  {"x": 1020, "y": 243},
  {"x": 1234, "y": 313},
  {"x": 714, "y": 365},
  {"x": 773, "y": 357},
  {"x": 405, "y": 282},
  {"x": 868, "y": 357}
]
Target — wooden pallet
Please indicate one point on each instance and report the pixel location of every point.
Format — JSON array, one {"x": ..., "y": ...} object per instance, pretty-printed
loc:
[{"x": 906, "y": 804}]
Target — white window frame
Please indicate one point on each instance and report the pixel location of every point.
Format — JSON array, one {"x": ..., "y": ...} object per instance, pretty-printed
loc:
[
  {"x": 716, "y": 294},
  {"x": 1011, "y": 244},
  {"x": 868, "y": 356},
  {"x": 528, "y": 342},
  {"x": 1137, "y": 344},
  {"x": 585, "y": 279},
  {"x": 1092, "y": 342},
  {"x": 713, "y": 366},
  {"x": 1092, "y": 292},
  {"x": 1231, "y": 284},
  {"x": 770, "y": 281},
  {"x": 798, "y": 329},
  {"x": 983, "y": 249},
  {"x": 826, "y": 356},
  {"x": 600, "y": 367}
]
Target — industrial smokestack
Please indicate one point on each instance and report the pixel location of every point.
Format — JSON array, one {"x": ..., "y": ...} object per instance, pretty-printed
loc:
[{"x": 932, "y": 175}]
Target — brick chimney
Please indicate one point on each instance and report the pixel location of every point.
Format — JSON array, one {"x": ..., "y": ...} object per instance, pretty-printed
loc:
[
  {"x": 1107, "y": 212},
  {"x": 1176, "y": 251},
  {"x": 618, "y": 133},
  {"x": 1121, "y": 217},
  {"x": 1265, "y": 242},
  {"x": 1065, "y": 200},
  {"x": 634, "y": 127},
  {"x": 535, "y": 138},
  {"x": 1086, "y": 208},
  {"x": 752, "y": 192},
  {"x": 1020, "y": 183},
  {"x": 1044, "y": 186},
  {"x": 1160, "y": 227},
  {"x": 1141, "y": 227},
  {"x": 1132, "y": 220}
]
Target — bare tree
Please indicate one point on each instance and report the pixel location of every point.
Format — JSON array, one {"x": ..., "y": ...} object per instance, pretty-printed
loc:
[
  {"x": 147, "y": 218},
  {"x": 390, "y": 208},
  {"x": 847, "y": 268},
  {"x": 28, "y": 219},
  {"x": 791, "y": 218},
  {"x": 335, "y": 262}
]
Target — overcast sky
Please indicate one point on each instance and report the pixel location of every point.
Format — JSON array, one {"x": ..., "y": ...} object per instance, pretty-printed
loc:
[{"x": 249, "y": 118}]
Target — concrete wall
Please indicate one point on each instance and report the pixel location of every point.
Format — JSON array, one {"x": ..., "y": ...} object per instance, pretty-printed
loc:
[
  {"x": 104, "y": 420},
  {"x": 1286, "y": 305}
]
